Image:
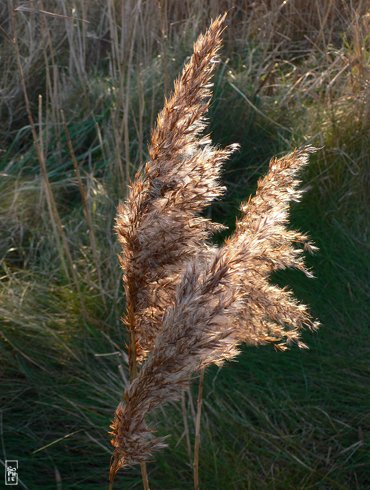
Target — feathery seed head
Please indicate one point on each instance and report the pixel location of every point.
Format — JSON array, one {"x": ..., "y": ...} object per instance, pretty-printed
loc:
[
  {"x": 159, "y": 226},
  {"x": 189, "y": 304}
]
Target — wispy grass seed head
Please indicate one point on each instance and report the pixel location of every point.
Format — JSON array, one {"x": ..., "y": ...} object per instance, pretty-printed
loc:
[{"x": 190, "y": 304}]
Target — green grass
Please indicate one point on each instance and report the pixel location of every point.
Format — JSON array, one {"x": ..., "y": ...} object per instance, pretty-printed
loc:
[{"x": 271, "y": 420}]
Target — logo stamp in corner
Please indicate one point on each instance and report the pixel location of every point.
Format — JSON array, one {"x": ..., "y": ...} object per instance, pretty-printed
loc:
[{"x": 11, "y": 472}]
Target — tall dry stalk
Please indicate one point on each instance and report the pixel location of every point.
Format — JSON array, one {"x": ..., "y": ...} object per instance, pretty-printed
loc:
[
  {"x": 61, "y": 239},
  {"x": 190, "y": 305},
  {"x": 197, "y": 431}
]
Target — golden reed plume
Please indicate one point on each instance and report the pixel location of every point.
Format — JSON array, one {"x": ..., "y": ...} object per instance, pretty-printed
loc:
[
  {"x": 159, "y": 226},
  {"x": 190, "y": 305}
]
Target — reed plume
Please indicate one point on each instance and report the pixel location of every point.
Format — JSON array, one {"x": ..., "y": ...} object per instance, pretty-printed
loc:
[
  {"x": 271, "y": 313},
  {"x": 190, "y": 304},
  {"x": 159, "y": 226}
]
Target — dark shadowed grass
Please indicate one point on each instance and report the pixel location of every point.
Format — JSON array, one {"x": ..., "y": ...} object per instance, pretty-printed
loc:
[
  {"x": 293, "y": 420},
  {"x": 298, "y": 420},
  {"x": 271, "y": 420}
]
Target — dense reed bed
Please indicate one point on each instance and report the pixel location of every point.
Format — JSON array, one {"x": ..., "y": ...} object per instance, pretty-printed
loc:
[{"x": 82, "y": 83}]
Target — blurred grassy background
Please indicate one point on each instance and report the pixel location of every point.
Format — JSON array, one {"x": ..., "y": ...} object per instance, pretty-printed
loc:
[{"x": 95, "y": 74}]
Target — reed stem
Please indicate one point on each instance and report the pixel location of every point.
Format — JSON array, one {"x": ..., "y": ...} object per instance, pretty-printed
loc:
[
  {"x": 144, "y": 476},
  {"x": 56, "y": 222},
  {"x": 197, "y": 431}
]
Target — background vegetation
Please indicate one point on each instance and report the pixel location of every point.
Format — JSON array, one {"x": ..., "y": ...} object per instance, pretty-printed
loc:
[{"x": 81, "y": 84}]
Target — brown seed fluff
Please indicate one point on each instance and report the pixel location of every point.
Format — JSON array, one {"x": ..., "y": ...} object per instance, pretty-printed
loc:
[{"x": 194, "y": 304}]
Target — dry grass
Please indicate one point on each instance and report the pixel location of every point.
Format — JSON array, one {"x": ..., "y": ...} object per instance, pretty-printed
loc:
[{"x": 291, "y": 73}]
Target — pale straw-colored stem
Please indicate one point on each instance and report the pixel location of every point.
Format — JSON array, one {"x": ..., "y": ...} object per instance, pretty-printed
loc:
[
  {"x": 61, "y": 240},
  {"x": 144, "y": 476},
  {"x": 197, "y": 431}
]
